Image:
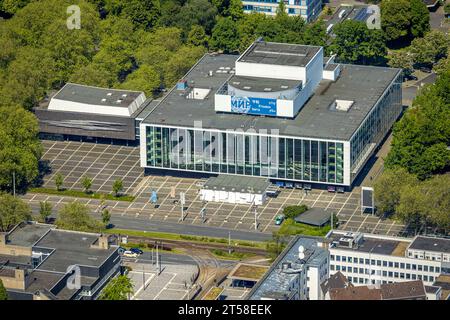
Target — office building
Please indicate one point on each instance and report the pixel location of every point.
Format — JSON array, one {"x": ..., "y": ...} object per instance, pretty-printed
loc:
[
  {"x": 279, "y": 111},
  {"x": 372, "y": 259}
]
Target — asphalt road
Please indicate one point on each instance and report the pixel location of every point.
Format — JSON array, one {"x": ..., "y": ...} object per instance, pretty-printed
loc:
[
  {"x": 145, "y": 224},
  {"x": 166, "y": 258}
]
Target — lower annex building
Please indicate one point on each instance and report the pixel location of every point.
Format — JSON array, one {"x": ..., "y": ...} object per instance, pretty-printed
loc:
[{"x": 280, "y": 111}]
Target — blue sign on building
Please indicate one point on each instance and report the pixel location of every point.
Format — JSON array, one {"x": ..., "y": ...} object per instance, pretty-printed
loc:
[{"x": 257, "y": 106}]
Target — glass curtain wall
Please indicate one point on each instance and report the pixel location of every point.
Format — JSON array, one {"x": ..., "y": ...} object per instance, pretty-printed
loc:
[{"x": 245, "y": 154}]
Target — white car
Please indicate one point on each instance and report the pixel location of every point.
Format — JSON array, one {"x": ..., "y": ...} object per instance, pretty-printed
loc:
[{"x": 130, "y": 254}]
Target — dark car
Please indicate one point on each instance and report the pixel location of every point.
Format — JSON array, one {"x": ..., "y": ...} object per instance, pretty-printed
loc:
[
  {"x": 136, "y": 250},
  {"x": 331, "y": 189}
]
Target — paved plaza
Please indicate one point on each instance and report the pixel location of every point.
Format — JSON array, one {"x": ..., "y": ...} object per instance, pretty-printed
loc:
[{"x": 171, "y": 284}]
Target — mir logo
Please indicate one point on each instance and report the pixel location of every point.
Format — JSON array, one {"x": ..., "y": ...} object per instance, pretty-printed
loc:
[
  {"x": 374, "y": 20},
  {"x": 74, "y": 280},
  {"x": 74, "y": 20},
  {"x": 240, "y": 104}
]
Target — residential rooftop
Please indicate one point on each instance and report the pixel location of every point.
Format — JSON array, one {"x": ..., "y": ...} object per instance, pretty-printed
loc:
[{"x": 364, "y": 85}]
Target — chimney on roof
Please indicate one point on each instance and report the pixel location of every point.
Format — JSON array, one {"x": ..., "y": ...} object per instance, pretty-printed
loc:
[{"x": 103, "y": 242}]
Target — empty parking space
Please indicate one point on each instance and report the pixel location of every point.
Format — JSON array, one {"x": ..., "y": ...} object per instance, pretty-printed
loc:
[{"x": 101, "y": 162}]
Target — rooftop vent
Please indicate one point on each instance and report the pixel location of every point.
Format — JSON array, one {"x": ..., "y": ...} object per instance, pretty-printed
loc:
[
  {"x": 103, "y": 100},
  {"x": 247, "y": 88},
  {"x": 124, "y": 95},
  {"x": 109, "y": 94},
  {"x": 284, "y": 87},
  {"x": 198, "y": 93},
  {"x": 267, "y": 89},
  {"x": 342, "y": 105},
  {"x": 119, "y": 101}
]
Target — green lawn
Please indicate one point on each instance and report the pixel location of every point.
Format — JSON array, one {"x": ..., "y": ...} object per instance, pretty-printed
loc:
[
  {"x": 223, "y": 254},
  {"x": 81, "y": 194},
  {"x": 290, "y": 227},
  {"x": 181, "y": 237}
]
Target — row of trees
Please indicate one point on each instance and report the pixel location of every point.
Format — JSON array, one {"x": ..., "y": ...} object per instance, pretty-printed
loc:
[
  {"x": 86, "y": 183},
  {"x": 72, "y": 216},
  {"x": 415, "y": 185}
]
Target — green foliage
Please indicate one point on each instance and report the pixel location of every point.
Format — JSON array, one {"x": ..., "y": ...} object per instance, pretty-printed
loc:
[
  {"x": 12, "y": 211},
  {"x": 431, "y": 48},
  {"x": 402, "y": 59},
  {"x": 357, "y": 44},
  {"x": 146, "y": 79},
  {"x": 143, "y": 13},
  {"x": 403, "y": 19},
  {"x": 388, "y": 188},
  {"x": 225, "y": 36},
  {"x": 119, "y": 288},
  {"x": 276, "y": 245},
  {"x": 20, "y": 148},
  {"x": 197, "y": 36},
  {"x": 291, "y": 212},
  {"x": 75, "y": 216},
  {"x": 59, "y": 180},
  {"x": 117, "y": 187},
  {"x": 290, "y": 227},
  {"x": 421, "y": 137},
  {"x": 86, "y": 182},
  {"x": 11, "y": 6},
  {"x": 3, "y": 293},
  {"x": 106, "y": 217},
  {"x": 45, "y": 210}
]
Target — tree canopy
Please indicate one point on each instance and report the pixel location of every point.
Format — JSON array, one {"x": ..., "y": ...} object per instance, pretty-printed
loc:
[
  {"x": 75, "y": 216},
  {"x": 119, "y": 288},
  {"x": 12, "y": 211},
  {"x": 404, "y": 19}
]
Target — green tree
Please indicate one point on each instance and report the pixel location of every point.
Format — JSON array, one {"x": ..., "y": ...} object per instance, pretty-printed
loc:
[
  {"x": 421, "y": 137},
  {"x": 20, "y": 148},
  {"x": 143, "y": 79},
  {"x": 197, "y": 36},
  {"x": 356, "y": 43},
  {"x": 180, "y": 63},
  {"x": 225, "y": 36},
  {"x": 59, "y": 180},
  {"x": 281, "y": 11},
  {"x": 401, "y": 59},
  {"x": 45, "y": 210},
  {"x": 143, "y": 13},
  {"x": 106, "y": 217},
  {"x": 431, "y": 48},
  {"x": 3, "y": 292},
  {"x": 117, "y": 187},
  {"x": 12, "y": 211},
  {"x": 119, "y": 288},
  {"x": 402, "y": 19},
  {"x": 388, "y": 186},
  {"x": 75, "y": 216},
  {"x": 235, "y": 10},
  {"x": 86, "y": 182},
  {"x": 291, "y": 212},
  {"x": 12, "y": 6}
]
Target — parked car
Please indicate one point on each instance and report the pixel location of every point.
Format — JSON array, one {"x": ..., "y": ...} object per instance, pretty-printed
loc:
[
  {"x": 331, "y": 189},
  {"x": 136, "y": 250},
  {"x": 130, "y": 254},
  {"x": 340, "y": 189},
  {"x": 279, "y": 219}
]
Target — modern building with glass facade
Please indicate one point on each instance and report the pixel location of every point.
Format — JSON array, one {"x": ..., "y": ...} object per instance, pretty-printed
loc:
[
  {"x": 307, "y": 9},
  {"x": 279, "y": 111}
]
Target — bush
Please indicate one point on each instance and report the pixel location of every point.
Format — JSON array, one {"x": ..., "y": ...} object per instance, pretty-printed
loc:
[{"x": 291, "y": 212}]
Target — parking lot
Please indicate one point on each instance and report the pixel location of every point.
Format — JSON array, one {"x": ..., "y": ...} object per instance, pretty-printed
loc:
[
  {"x": 73, "y": 159},
  {"x": 101, "y": 162}
]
